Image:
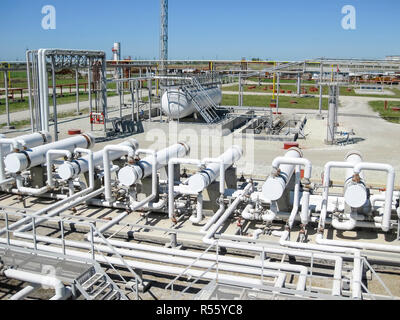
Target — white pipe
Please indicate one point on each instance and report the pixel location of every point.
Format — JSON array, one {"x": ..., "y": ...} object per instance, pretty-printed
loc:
[
  {"x": 22, "y": 294},
  {"x": 73, "y": 169},
  {"x": 296, "y": 201},
  {"x": 130, "y": 151},
  {"x": 347, "y": 225},
  {"x": 21, "y": 142},
  {"x": 50, "y": 156},
  {"x": 358, "y": 245},
  {"x": 216, "y": 167},
  {"x": 355, "y": 191},
  {"x": 237, "y": 265},
  {"x": 17, "y": 162},
  {"x": 171, "y": 181},
  {"x": 276, "y": 184},
  {"x": 326, "y": 185},
  {"x": 154, "y": 185},
  {"x": 214, "y": 218},
  {"x": 30, "y": 191},
  {"x": 72, "y": 199},
  {"x": 62, "y": 293},
  {"x": 282, "y": 172},
  {"x": 129, "y": 175},
  {"x": 151, "y": 267},
  {"x": 82, "y": 197},
  {"x": 90, "y": 157},
  {"x": 389, "y": 187},
  {"x": 136, "y": 205},
  {"x": 195, "y": 219}
]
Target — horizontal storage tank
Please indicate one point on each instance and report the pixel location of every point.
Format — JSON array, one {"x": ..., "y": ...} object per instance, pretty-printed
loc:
[
  {"x": 177, "y": 104},
  {"x": 17, "y": 162}
]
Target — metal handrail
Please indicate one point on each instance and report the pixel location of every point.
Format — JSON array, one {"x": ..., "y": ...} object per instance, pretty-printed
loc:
[
  {"x": 365, "y": 261},
  {"x": 111, "y": 247},
  {"x": 93, "y": 231},
  {"x": 191, "y": 265}
]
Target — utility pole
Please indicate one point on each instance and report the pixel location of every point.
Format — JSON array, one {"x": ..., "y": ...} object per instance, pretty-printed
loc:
[{"x": 164, "y": 39}]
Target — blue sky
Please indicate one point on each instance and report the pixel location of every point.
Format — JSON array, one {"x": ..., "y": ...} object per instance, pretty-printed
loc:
[{"x": 205, "y": 29}]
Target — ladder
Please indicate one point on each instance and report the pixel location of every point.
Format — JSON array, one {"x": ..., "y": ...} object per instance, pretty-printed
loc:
[
  {"x": 207, "y": 111},
  {"x": 97, "y": 285}
]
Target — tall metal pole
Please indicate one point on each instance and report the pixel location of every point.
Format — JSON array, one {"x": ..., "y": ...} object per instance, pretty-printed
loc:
[
  {"x": 90, "y": 91},
  {"x": 320, "y": 88},
  {"x": 7, "y": 102},
  {"x": 163, "y": 39},
  {"x": 78, "y": 112},
  {"x": 278, "y": 88},
  {"x": 28, "y": 75},
  {"x": 104, "y": 91},
  {"x": 53, "y": 82}
]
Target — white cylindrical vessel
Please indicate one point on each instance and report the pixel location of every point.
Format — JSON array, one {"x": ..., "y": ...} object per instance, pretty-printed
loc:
[
  {"x": 17, "y": 162},
  {"x": 129, "y": 175},
  {"x": 74, "y": 168},
  {"x": 178, "y": 105},
  {"x": 28, "y": 141},
  {"x": 198, "y": 182},
  {"x": 274, "y": 187},
  {"x": 355, "y": 194}
]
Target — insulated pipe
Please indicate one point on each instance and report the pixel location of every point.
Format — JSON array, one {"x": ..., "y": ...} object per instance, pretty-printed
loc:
[
  {"x": 125, "y": 150},
  {"x": 214, "y": 218},
  {"x": 326, "y": 185},
  {"x": 17, "y": 162},
  {"x": 198, "y": 182},
  {"x": 358, "y": 245},
  {"x": 347, "y": 225},
  {"x": 80, "y": 196},
  {"x": 73, "y": 169},
  {"x": 50, "y": 156},
  {"x": 30, "y": 191},
  {"x": 247, "y": 266},
  {"x": 389, "y": 187},
  {"x": 355, "y": 191},
  {"x": 129, "y": 175},
  {"x": 211, "y": 232},
  {"x": 90, "y": 156},
  {"x": 284, "y": 241},
  {"x": 22, "y": 294},
  {"x": 276, "y": 184},
  {"x": 136, "y": 205},
  {"x": 296, "y": 201},
  {"x": 282, "y": 172},
  {"x": 158, "y": 268},
  {"x": 62, "y": 293},
  {"x": 171, "y": 181},
  {"x": 199, "y": 210},
  {"x": 22, "y": 142},
  {"x": 250, "y": 213}
]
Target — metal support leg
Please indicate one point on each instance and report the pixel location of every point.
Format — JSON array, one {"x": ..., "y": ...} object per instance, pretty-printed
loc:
[
  {"x": 7, "y": 102},
  {"x": 53, "y": 81},
  {"x": 78, "y": 112}
]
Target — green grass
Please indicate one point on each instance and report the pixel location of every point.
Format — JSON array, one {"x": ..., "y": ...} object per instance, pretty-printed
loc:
[
  {"x": 282, "y": 81},
  {"x": 389, "y": 114},
  {"x": 67, "y": 98},
  {"x": 284, "y": 102},
  {"x": 61, "y": 115},
  {"x": 343, "y": 91}
]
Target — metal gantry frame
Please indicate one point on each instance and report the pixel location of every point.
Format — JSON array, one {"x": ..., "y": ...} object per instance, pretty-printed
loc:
[{"x": 40, "y": 62}]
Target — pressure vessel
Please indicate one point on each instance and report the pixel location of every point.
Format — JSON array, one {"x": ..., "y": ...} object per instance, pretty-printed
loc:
[{"x": 177, "y": 104}]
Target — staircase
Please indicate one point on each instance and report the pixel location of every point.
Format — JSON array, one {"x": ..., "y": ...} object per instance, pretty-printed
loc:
[
  {"x": 97, "y": 285},
  {"x": 208, "y": 111}
]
